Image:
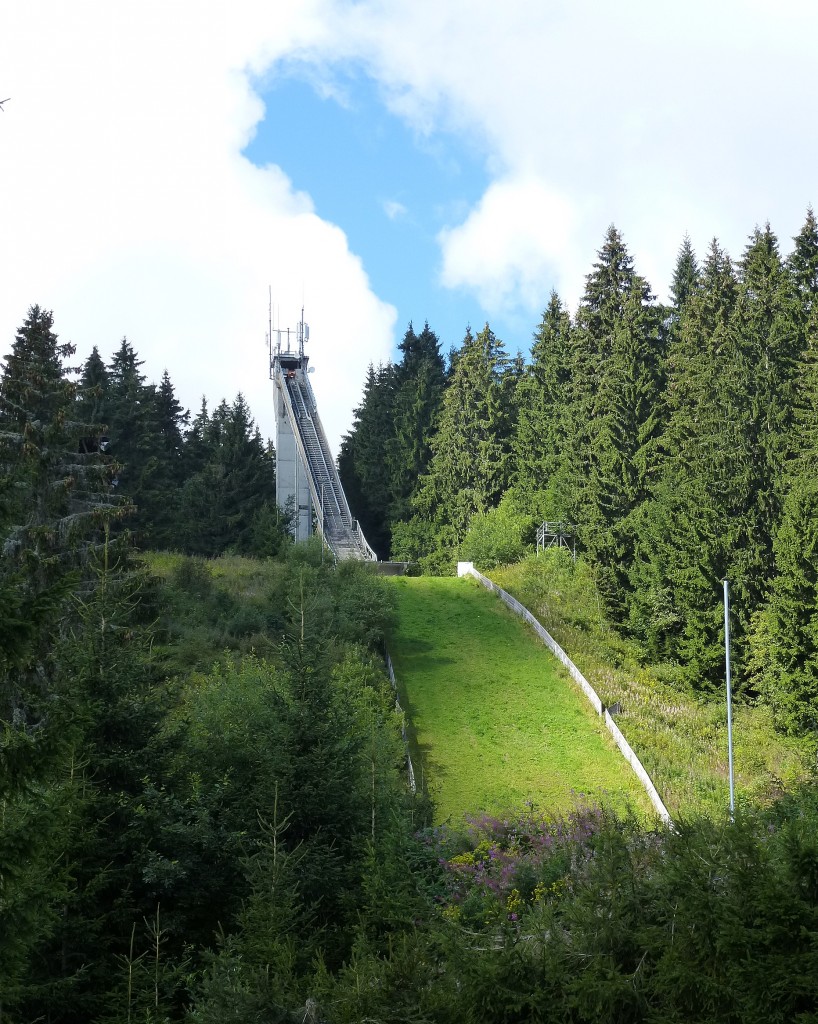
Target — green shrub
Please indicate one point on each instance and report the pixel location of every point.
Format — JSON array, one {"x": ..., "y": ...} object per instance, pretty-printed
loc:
[
  {"x": 247, "y": 620},
  {"x": 193, "y": 576},
  {"x": 494, "y": 538}
]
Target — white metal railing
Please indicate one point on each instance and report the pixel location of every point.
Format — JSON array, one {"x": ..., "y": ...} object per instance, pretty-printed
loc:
[
  {"x": 311, "y": 412},
  {"x": 359, "y": 533},
  {"x": 327, "y": 473},
  {"x": 410, "y": 770},
  {"x": 281, "y": 383},
  {"x": 343, "y": 506}
]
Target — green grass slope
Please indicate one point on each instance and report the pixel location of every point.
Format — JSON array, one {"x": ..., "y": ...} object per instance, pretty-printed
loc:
[
  {"x": 679, "y": 735},
  {"x": 494, "y": 719}
]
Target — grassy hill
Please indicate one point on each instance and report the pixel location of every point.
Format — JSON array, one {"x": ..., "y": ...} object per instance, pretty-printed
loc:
[
  {"x": 680, "y": 735},
  {"x": 495, "y": 719}
]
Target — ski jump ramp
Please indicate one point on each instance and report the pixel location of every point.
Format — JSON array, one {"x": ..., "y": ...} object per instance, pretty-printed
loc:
[{"x": 306, "y": 476}]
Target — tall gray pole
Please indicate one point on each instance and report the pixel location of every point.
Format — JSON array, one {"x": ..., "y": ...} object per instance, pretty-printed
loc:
[{"x": 729, "y": 696}]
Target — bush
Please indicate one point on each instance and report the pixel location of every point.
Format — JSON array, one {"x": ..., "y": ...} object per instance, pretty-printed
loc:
[
  {"x": 193, "y": 576},
  {"x": 497, "y": 537},
  {"x": 412, "y": 541}
]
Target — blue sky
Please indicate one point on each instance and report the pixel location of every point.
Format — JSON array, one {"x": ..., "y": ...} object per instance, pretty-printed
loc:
[
  {"x": 390, "y": 189},
  {"x": 162, "y": 164}
]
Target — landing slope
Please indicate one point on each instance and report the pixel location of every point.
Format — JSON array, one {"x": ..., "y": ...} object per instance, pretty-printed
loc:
[{"x": 494, "y": 718}]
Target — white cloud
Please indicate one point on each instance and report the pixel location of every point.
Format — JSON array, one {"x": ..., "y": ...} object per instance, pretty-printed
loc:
[
  {"x": 518, "y": 238},
  {"x": 129, "y": 210},
  {"x": 393, "y": 209},
  {"x": 662, "y": 119}
]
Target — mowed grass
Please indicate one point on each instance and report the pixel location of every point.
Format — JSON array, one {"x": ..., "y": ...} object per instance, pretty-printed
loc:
[{"x": 494, "y": 720}]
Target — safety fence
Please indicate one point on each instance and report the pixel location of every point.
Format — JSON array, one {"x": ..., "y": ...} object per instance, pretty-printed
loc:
[
  {"x": 410, "y": 770},
  {"x": 467, "y": 569}
]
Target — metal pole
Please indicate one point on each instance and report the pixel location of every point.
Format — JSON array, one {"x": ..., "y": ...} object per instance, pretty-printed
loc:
[{"x": 729, "y": 696}]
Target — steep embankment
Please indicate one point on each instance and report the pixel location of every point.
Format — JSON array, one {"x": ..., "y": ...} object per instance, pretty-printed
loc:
[
  {"x": 494, "y": 718},
  {"x": 679, "y": 734}
]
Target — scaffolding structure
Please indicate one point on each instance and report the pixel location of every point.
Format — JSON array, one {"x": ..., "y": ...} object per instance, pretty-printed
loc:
[{"x": 557, "y": 535}]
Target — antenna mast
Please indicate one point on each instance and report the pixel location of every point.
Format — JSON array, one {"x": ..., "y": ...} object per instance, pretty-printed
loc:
[{"x": 270, "y": 327}]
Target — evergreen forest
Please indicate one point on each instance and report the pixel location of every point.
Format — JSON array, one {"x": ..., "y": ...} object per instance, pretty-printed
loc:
[
  {"x": 676, "y": 443},
  {"x": 204, "y": 810}
]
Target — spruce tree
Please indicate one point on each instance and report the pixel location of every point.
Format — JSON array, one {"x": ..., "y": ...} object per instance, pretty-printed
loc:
[
  {"x": 419, "y": 380},
  {"x": 803, "y": 263},
  {"x": 92, "y": 391},
  {"x": 363, "y": 463},
  {"x": 104, "y": 671},
  {"x": 171, "y": 419},
  {"x": 802, "y": 273},
  {"x": 221, "y": 503},
  {"x": 685, "y": 276},
  {"x": 56, "y": 502},
  {"x": 617, "y": 376},
  {"x": 767, "y": 320},
  {"x": 623, "y": 458},
  {"x": 471, "y": 461},
  {"x": 607, "y": 290},
  {"x": 785, "y": 642},
  {"x": 54, "y": 493},
  {"x": 782, "y": 642},
  {"x": 706, "y": 518},
  {"x": 135, "y": 439},
  {"x": 678, "y": 555},
  {"x": 196, "y": 448},
  {"x": 541, "y": 457}
]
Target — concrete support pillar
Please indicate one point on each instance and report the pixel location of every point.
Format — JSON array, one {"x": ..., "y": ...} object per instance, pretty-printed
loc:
[{"x": 292, "y": 489}]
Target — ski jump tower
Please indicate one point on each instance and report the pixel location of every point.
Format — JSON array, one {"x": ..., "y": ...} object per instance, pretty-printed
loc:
[{"x": 306, "y": 477}]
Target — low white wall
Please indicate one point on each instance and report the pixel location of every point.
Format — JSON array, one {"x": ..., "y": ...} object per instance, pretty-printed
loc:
[
  {"x": 467, "y": 569},
  {"x": 409, "y": 766}
]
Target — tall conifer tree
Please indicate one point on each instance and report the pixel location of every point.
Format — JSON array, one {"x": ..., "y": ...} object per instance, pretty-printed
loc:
[
  {"x": 616, "y": 383},
  {"x": 471, "y": 459},
  {"x": 706, "y": 520},
  {"x": 785, "y": 642},
  {"x": 362, "y": 462},
  {"x": 135, "y": 441},
  {"x": 685, "y": 276},
  {"x": 220, "y": 503},
  {"x": 784, "y": 647},
  {"x": 802, "y": 267},
  {"x": 541, "y": 458},
  {"x": 419, "y": 381},
  {"x": 92, "y": 392},
  {"x": 54, "y": 493}
]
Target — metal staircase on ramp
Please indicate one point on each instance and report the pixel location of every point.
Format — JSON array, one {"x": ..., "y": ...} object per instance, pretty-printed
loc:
[{"x": 299, "y": 427}]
